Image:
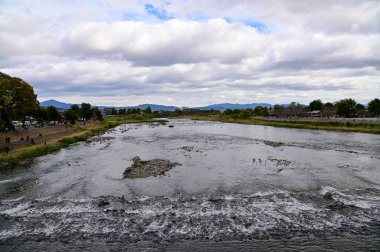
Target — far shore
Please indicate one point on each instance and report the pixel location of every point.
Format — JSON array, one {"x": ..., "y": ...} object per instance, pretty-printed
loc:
[{"x": 334, "y": 124}]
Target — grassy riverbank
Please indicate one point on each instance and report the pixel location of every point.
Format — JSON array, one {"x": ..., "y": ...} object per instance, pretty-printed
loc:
[
  {"x": 363, "y": 127},
  {"x": 77, "y": 133}
]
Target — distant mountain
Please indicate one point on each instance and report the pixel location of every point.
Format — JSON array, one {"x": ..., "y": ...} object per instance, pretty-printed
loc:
[
  {"x": 224, "y": 106},
  {"x": 63, "y": 105},
  {"x": 155, "y": 107},
  {"x": 55, "y": 103}
]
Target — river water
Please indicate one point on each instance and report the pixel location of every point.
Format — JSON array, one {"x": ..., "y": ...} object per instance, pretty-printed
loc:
[{"x": 239, "y": 187}]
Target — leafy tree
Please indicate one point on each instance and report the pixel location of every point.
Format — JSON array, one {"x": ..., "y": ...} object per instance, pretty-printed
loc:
[
  {"x": 295, "y": 106},
  {"x": 17, "y": 98},
  {"x": 260, "y": 111},
  {"x": 52, "y": 113},
  {"x": 360, "y": 106},
  {"x": 328, "y": 105},
  {"x": 71, "y": 115},
  {"x": 41, "y": 115},
  {"x": 97, "y": 114},
  {"x": 113, "y": 111},
  {"x": 346, "y": 108},
  {"x": 228, "y": 112},
  {"x": 316, "y": 105},
  {"x": 328, "y": 110},
  {"x": 277, "y": 109},
  {"x": 374, "y": 107},
  {"x": 76, "y": 109},
  {"x": 360, "y": 110},
  {"x": 148, "y": 110},
  {"x": 122, "y": 111},
  {"x": 245, "y": 114},
  {"x": 86, "y": 111}
]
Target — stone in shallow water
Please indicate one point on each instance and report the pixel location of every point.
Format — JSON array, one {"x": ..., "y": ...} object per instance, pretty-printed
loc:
[
  {"x": 146, "y": 168},
  {"x": 103, "y": 202}
]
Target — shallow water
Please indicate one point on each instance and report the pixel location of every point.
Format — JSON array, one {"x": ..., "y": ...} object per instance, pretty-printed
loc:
[{"x": 240, "y": 187}]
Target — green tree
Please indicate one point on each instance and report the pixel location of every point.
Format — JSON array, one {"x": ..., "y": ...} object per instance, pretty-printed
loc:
[
  {"x": 85, "y": 111},
  {"x": 97, "y": 114},
  {"x": 260, "y": 111},
  {"x": 328, "y": 105},
  {"x": 228, "y": 112},
  {"x": 346, "y": 108},
  {"x": 360, "y": 106},
  {"x": 328, "y": 110},
  {"x": 41, "y": 115},
  {"x": 52, "y": 113},
  {"x": 71, "y": 116},
  {"x": 75, "y": 108},
  {"x": 277, "y": 109},
  {"x": 148, "y": 110},
  {"x": 17, "y": 98},
  {"x": 245, "y": 114},
  {"x": 374, "y": 107},
  {"x": 316, "y": 105},
  {"x": 360, "y": 110},
  {"x": 113, "y": 111}
]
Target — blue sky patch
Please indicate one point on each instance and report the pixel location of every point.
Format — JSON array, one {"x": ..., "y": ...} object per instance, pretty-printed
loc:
[
  {"x": 158, "y": 13},
  {"x": 259, "y": 26}
]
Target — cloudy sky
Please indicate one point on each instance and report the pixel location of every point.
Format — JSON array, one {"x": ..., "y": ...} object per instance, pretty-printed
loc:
[{"x": 193, "y": 52}]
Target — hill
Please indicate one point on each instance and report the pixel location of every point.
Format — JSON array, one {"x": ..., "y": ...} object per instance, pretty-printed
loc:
[
  {"x": 63, "y": 105},
  {"x": 224, "y": 106},
  {"x": 56, "y": 104}
]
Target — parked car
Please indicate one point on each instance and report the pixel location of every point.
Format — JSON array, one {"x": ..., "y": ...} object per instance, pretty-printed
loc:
[{"x": 17, "y": 124}]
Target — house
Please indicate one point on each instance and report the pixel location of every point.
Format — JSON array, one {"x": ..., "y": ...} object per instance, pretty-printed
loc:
[{"x": 314, "y": 113}]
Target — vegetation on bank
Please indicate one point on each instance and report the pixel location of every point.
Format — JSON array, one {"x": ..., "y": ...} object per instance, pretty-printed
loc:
[
  {"x": 79, "y": 133},
  {"x": 363, "y": 127}
]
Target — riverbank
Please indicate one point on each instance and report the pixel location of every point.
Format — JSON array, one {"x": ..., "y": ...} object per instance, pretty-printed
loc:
[
  {"x": 345, "y": 126},
  {"x": 73, "y": 134}
]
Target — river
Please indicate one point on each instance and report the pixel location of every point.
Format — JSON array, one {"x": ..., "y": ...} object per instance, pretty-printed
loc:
[{"x": 239, "y": 187}]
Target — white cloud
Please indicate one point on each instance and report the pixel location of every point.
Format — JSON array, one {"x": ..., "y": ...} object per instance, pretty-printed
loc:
[{"x": 311, "y": 49}]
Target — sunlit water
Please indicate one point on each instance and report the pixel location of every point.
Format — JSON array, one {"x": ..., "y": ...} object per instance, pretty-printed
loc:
[{"x": 240, "y": 187}]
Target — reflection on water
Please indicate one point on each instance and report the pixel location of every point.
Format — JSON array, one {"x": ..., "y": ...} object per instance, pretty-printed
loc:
[{"x": 239, "y": 185}]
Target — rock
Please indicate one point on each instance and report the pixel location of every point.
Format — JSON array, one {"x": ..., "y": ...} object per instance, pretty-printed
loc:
[
  {"x": 146, "y": 168},
  {"x": 274, "y": 144},
  {"x": 103, "y": 203},
  {"x": 215, "y": 199},
  {"x": 336, "y": 205},
  {"x": 328, "y": 196}
]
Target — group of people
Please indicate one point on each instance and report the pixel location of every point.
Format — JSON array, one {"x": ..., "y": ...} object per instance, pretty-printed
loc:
[
  {"x": 28, "y": 139},
  {"x": 31, "y": 139}
]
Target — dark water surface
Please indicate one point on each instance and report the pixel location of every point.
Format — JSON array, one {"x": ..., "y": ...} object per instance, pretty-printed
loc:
[{"x": 240, "y": 187}]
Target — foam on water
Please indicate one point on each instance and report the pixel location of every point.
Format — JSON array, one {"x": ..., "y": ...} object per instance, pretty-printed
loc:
[
  {"x": 177, "y": 218},
  {"x": 361, "y": 201}
]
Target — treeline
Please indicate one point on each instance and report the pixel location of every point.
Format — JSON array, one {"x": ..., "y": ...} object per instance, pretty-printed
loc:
[
  {"x": 129, "y": 111},
  {"x": 84, "y": 112},
  {"x": 348, "y": 108}
]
